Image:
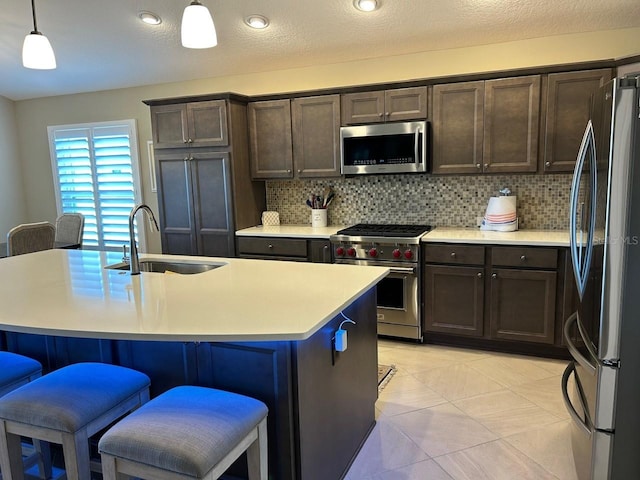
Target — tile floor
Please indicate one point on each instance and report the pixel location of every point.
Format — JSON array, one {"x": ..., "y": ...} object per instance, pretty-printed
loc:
[{"x": 451, "y": 413}]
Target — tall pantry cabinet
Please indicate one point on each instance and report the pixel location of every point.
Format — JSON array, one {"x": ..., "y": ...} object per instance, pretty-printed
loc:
[{"x": 205, "y": 191}]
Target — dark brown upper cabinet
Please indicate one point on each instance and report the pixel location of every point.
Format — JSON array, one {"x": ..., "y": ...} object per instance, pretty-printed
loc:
[
  {"x": 458, "y": 127},
  {"x": 270, "y": 139},
  {"x": 298, "y": 138},
  {"x": 486, "y": 126},
  {"x": 198, "y": 124},
  {"x": 511, "y": 124},
  {"x": 568, "y": 108},
  {"x": 316, "y": 136},
  {"x": 384, "y": 106}
]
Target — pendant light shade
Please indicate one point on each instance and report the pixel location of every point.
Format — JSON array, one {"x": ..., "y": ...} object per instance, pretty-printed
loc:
[
  {"x": 36, "y": 49},
  {"x": 198, "y": 30}
]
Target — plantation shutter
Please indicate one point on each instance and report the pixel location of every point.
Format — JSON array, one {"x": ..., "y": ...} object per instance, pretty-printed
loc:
[{"x": 95, "y": 171}]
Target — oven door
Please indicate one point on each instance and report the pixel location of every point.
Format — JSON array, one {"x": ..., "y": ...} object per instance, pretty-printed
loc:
[{"x": 397, "y": 295}]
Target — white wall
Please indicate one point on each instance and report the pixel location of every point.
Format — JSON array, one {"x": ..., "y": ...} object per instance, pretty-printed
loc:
[
  {"x": 33, "y": 116},
  {"x": 13, "y": 209}
]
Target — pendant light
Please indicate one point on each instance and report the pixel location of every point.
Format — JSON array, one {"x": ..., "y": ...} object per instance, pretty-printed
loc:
[
  {"x": 36, "y": 49},
  {"x": 198, "y": 30}
]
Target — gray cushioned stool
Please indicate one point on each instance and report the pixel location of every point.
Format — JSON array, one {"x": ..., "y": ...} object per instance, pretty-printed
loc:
[
  {"x": 186, "y": 433},
  {"x": 67, "y": 406}
]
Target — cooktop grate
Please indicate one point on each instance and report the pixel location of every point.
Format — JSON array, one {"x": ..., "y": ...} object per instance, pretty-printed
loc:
[{"x": 384, "y": 230}]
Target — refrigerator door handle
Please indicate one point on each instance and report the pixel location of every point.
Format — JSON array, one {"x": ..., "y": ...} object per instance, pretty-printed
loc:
[
  {"x": 584, "y": 424},
  {"x": 573, "y": 350},
  {"x": 582, "y": 249}
]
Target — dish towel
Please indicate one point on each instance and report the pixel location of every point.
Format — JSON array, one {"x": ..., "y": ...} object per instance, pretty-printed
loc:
[{"x": 500, "y": 215}]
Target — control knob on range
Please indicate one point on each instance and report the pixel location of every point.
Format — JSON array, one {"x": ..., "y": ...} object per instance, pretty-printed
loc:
[
  {"x": 351, "y": 252},
  {"x": 339, "y": 251},
  {"x": 408, "y": 254},
  {"x": 373, "y": 252},
  {"x": 396, "y": 253}
]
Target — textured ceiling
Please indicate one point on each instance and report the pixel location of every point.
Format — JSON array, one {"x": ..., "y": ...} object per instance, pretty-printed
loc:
[{"x": 101, "y": 44}]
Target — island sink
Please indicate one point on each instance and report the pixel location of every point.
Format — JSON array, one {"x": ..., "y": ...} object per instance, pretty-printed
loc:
[{"x": 161, "y": 266}]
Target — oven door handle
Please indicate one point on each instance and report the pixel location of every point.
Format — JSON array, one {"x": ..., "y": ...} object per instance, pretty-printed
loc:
[{"x": 407, "y": 270}]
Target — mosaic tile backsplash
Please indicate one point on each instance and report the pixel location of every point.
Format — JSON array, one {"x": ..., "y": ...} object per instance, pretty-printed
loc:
[{"x": 456, "y": 201}]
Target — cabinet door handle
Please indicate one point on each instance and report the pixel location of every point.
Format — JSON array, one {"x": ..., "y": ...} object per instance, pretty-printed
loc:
[
  {"x": 478, "y": 165},
  {"x": 380, "y": 114},
  {"x": 288, "y": 170},
  {"x": 479, "y": 274},
  {"x": 190, "y": 140},
  {"x": 547, "y": 164},
  {"x": 387, "y": 114},
  {"x": 299, "y": 170},
  {"x": 523, "y": 257},
  {"x": 494, "y": 275},
  {"x": 186, "y": 159},
  {"x": 486, "y": 165}
]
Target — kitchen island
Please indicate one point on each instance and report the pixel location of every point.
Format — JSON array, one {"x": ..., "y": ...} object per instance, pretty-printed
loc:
[{"x": 259, "y": 328}]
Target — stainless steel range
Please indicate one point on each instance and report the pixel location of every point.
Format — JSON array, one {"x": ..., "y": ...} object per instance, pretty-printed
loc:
[{"x": 396, "y": 247}]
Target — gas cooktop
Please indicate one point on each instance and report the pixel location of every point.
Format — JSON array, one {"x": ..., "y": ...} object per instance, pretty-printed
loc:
[{"x": 384, "y": 230}]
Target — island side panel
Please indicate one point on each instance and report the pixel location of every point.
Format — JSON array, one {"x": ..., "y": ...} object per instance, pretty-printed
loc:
[
  {"x": 260, "y": 370},
  {"x": 336, "y": 392}
]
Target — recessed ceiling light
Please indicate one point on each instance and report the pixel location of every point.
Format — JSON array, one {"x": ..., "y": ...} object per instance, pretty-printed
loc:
[
  {"x": 366, "y": 5},
  {"x": 149, "y": 18},
  {"x": 257, "y": 21}
]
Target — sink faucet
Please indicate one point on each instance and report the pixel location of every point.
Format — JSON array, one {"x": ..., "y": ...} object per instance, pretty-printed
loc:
[{"x": 133, "y": 249}]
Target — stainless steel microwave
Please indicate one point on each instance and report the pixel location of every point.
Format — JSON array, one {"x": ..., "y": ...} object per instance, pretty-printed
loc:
[{"x": 384, "y": 148}]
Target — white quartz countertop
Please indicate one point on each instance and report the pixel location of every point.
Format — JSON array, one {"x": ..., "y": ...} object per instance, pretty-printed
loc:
[
  {"x": 70, "y": 293},
  {"x": 302, "y": 231},
  {"x": 549, "y": 238}
]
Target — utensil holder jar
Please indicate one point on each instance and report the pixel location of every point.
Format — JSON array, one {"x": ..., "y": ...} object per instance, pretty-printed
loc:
[{"x": 319, "y": 217}]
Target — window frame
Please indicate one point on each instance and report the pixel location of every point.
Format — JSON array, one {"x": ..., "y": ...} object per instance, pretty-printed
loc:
[{"x": 135, "y": 168}]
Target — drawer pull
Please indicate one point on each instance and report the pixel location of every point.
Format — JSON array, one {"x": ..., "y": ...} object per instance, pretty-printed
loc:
[
  {"x": 453, "y": 254},
  {"x": 523, "y": 257},
  {"x": 494, "y": 275},
  {"x": 270, "y": 246}
]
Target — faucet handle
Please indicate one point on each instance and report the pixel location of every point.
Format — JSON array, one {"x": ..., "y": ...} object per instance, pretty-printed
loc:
[{"x": 125, "y": 258}]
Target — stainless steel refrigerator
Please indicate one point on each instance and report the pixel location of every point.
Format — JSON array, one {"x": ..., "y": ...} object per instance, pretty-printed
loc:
[{"x": 601, "y": 386}]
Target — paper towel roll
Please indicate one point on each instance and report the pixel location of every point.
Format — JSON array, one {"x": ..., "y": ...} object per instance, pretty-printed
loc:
[{"x": 501, "y": 214}]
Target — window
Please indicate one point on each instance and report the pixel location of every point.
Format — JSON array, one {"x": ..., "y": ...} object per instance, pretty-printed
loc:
[{"x": 96, "y": 173}]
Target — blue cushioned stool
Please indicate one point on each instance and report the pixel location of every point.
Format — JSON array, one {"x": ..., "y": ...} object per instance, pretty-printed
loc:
[
  {"x": 15, "y": 371},
  {"x": 67, "y": 407},
  {"x": 187, "y": 432}
]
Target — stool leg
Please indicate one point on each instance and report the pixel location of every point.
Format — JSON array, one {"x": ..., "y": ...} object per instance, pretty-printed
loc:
[
  {"x": 257, "y": 458},
  {"x": 76, "y": 455},
  {"x": 10, "y": 455},
  {"x": 44, "y": 458}
]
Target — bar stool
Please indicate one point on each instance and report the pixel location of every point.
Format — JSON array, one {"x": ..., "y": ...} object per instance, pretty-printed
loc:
[
  {"x": 15, "y": 371},
  {"x": 187, "y": 432},
  {"x": 67, "y": 407}
]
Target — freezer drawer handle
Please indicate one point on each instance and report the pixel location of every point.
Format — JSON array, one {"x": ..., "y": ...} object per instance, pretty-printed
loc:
[
  {"x": 584, "y": 426},
  {"x": 573, "y": 350}
]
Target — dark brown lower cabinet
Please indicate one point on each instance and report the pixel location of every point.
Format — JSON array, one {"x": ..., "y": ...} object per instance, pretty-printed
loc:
[
  {"x": 513, "y": 298},
  {"x": 195, "y": 205},
  {"x": 523, "y": 305},
  {"x": 281, "y": 248},
  {"x": 454, "y": 299}
]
